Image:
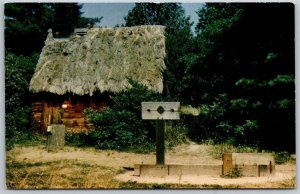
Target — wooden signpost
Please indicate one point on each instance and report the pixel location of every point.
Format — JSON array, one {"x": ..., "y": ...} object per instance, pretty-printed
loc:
[{"x": 160, "y": 111}]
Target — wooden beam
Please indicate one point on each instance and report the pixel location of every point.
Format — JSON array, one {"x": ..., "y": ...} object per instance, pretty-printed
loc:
[
  {"x": 170, "y": 110},
  {"x": 160, "y": 142}
]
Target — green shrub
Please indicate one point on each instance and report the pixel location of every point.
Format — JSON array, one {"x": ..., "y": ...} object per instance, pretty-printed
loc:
[
  {"x": 115, "y": 129},
  {"x": 282, "y": 157},
  {"x": 176, "y": 133},
  {"x": 132, "y": 98},
  {"x": 77, "y": 139},
  {"x": 18, "y": 127},
  {"x": 121, "y": 127},
  {"x": 18, "y": 71}
]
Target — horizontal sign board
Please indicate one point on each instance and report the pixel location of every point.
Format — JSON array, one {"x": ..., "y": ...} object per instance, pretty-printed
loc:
[{"x": 161, "y": 110}]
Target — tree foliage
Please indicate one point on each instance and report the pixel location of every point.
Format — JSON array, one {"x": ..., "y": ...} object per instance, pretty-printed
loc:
[
  {"x": 26, "y": 26},
  {"x": 245, "y": 53},
  {"x": 84, "y": 22},
  {"x": 66, "y": 16},
  {"x": 18, "y": 71},
  {"x": 17, "y": 101}
]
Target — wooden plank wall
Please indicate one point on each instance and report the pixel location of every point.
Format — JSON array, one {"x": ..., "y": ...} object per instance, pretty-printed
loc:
[
  {"x": 72, "y": 116},
  {"x": 37, "y": 115}
]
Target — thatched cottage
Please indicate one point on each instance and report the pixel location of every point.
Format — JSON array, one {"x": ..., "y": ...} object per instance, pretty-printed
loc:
[{"x": 82, "y": 71}]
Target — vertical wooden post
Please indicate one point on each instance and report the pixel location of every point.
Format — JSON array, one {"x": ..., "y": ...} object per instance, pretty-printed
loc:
[
  {"x": 160, "y": 111},
  {"x": 56, "y": 137},
  {"x": 48, "y": 132},
  {"x": 227, "y": 164},
  {"x": 160, "y": 141}
]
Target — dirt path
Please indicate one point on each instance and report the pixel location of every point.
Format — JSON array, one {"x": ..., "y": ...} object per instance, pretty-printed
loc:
[{"x": 86, "y": 160}]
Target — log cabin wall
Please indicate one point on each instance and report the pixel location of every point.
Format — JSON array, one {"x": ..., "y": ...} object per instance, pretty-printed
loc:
[{"x": 48, "y": 109}]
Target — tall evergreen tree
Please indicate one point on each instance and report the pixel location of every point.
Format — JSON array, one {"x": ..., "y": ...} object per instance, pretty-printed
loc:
[
  {"x": 66, "y": 16},
  {"x": 26, "y": 26},
  {"x": 245, "y": 53}
]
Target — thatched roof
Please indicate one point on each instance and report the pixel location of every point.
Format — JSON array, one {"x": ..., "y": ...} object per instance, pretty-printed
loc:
[{"x": 101, "y": 60}]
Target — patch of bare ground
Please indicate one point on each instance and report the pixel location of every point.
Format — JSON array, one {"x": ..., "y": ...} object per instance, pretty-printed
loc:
[{"x": 30, "y": 167}]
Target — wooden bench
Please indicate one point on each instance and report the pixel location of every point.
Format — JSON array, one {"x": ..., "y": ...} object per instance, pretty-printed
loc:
[{"x": 249, "y": 164}]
